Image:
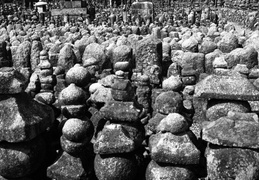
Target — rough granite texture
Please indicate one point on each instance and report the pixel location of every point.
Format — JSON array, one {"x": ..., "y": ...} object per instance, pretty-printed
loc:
[
  {"x": 12, "y": 81},
  {"x": 22, "y": 119},
  {"x": 232, "y": 163},
  {"x": 234, "y": 133},
  {"x": 113, "y": 139},
  {"x": 21, "y": 159},
  {"x": 122, "y": 167},
  {"x": 226, "y": 87},
  {"x": 73, "y": 168},
  {"x": 174, "y": 149},
  {"x": 157, "y": 172},
  {"x": 121, "y": 111}
]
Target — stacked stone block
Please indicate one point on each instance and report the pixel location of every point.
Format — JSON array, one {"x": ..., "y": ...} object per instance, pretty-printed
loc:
[
  {"x": 23, "y": 123},
  {"x": 173, "y": 147},
  {"x": 36, "y": 48},
  {"x": 118, "y": 144},
  {"x": 149, "y": 59},
  {"x": 47, "y": 80},
  {"x": 228, "y": 125},
  {"x": 76, "y": 162}
]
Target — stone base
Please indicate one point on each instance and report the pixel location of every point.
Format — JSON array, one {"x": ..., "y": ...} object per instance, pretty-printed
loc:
[
  {"x": 232, "y": 163},
  {"x": 120, "y": 167},
  {"x": 157, "y": 172},
  {"x": 68, "y": 167}
]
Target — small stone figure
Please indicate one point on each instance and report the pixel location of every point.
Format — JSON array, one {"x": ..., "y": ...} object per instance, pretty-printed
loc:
[
  {"x": 121, "y": 137},
  {"x": 76, "y": 162},
  {"x": 47, "y": 80}
]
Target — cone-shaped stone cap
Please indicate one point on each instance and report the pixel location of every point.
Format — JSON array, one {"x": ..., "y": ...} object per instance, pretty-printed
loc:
[
  {"x": 233, "y": 87},
  {"x": 12, "y": 81},
  {"x": 22, "y": 118}
]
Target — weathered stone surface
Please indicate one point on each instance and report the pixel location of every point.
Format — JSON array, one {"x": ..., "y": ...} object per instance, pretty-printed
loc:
[
  {"x": 113, "y": 139},
  {"x": 207, "y": 47},
  {"x": 21, "y": 159},
  {"x": 122, "y": 40},
  {"x": 23, "y": 55},
  {"x": 256, "y": 83},
  {"x": 242, "y": 69},
  {"x": 68, "y": 167},
  {"x": 121, "y": 111},
  {"x": 200, "y": 107},
  {"x": 177, "y": 56},
  {"x": 173, "y": 83},
  {"x": 168, "y": 102},
  {"x": 232, "y": 163},
  {"x": 157, "y": 172},
  {"x": 190, "y": 44},
  {"x": 188, "y": 91},
  {"x": 122, "y": 95},
  {"x": 74, "y": 148},
  {"x": 78, "y": 75},
  {"x": 45, "y": 97},
  {"x": 228, "y": 43},
  {"x": 12, "y": 81},
  {"x": 22, "y": 118},
  {"x": 47, "y": 80},
  {"x": 90, "y": 61},
  {"x": 153, "y": 123},
  {"x": 220, "y": 62},
  {"x": 149, "y": 58},
  {"x": 77, "y": 130},
  {"x": 173, "y": 70},
  {"x": 101, "y": 95},
  {"x": 166, "y": 49},
  {"x": 36, "y": 48},
  {"x": 107, "y": 81},
  {"x": 124, "y": 167},
  {"x": 67, "y": 57},
  {"x": 228, "y": 132},
  {"x": 254, "y": 73},
  {"x": 156, "y": 32},
  {"x": 226, "y": 87},
  {"x": 72, "y": 95},
  {"x": 122, "y": 90},
  {"x": 253, "y": 117},
  {"x": 247, "y": 55},
  {"x": 220, "y": 108},
  {"x": 122, "y": 66},
  {"x": 122, "y": 53},
  {"x": 96, "y": 51},
  {"x": 209, "y": 58},
  {"x": 192, "y": 61},
  {"x": 173, "y": 123},
  {"x": 174, "y": 149},
  {"x": 254, "y": 106}
]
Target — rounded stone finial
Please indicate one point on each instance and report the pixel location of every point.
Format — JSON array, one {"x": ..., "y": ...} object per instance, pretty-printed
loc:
[
  {"x": 77, "y": 130},
  {"x": 72, "y": 95},
  {"x": 78, "y": 75}
]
